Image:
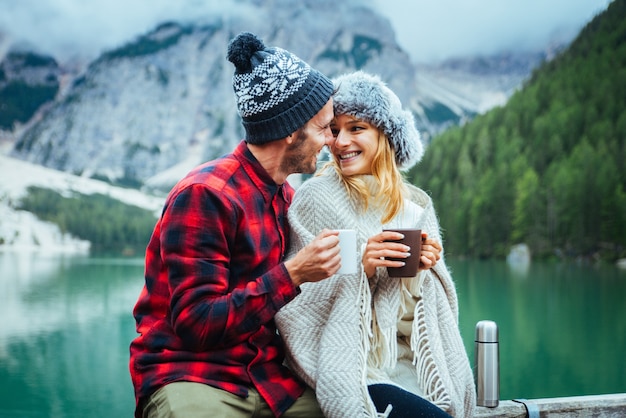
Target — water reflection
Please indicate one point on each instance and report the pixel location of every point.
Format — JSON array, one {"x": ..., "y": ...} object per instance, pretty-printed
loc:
[
  {"x": 43, "y": 292},
  {"x": 562, "y": 328},
  {"x": 67, "y": 323},
  {"x": 64, "y": 338}
]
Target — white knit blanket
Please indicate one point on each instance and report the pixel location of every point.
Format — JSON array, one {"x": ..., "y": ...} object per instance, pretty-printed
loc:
[{"x": 333, "y": 325}]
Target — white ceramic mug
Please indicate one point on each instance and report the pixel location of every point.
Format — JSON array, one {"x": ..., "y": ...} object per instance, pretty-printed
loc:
[{"x": 347, "y": 245}]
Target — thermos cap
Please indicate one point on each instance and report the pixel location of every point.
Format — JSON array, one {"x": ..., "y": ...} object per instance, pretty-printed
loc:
[{"x": 486, "y": 332}]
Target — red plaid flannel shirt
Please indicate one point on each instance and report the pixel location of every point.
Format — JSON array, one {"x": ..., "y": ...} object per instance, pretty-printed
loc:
[{"x": 214, "y": 279}]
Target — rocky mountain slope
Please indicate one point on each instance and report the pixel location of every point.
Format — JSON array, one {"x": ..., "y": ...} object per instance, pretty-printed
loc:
[{"x": 145, "y": 113}]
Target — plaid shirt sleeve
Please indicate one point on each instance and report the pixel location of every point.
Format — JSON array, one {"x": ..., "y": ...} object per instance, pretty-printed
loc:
[{"x": 211, "y": 304}]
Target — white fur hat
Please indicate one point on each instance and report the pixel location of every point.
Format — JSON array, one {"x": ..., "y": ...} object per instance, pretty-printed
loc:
[{"x": 367, "y": 97}]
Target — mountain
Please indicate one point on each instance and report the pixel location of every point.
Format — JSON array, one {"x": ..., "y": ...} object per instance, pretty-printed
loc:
[
  {"x": 144, "y": 114},
  {"x": 454, "y": 91},
  {"x": 547, "y": 169},
  {"x": 147, "y": 112},
  {"x": 21, "y": 230}
]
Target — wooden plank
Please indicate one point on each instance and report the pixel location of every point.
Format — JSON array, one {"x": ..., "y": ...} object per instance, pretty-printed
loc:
[{"x": 599, "y": 406}]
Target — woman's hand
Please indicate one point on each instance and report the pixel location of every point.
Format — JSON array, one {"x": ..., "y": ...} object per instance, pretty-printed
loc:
[
  {"x": 379, "y": 248},
  {"x": 430, "y": 254}
]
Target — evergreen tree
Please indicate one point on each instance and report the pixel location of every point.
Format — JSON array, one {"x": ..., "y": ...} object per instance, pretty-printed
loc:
[{"x": 548, "y": 168}]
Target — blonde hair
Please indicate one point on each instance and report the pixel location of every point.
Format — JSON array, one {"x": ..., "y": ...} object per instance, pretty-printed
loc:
[{"x": 386, "y": 173}]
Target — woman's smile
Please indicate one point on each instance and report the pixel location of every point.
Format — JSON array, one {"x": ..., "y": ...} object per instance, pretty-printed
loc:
[
  {"x": 355, "y": 144},
  {"x": 349, "y": 155}
]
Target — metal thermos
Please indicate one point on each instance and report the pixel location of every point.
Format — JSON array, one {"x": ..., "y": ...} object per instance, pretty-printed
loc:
[{"x": 487, "y": 364}]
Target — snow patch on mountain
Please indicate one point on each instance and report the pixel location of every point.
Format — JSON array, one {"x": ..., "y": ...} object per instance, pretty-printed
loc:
[{"x": 21, "y": 230}]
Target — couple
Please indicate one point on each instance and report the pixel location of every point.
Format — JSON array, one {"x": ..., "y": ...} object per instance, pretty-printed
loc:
[{"x": 242, "y": 313}]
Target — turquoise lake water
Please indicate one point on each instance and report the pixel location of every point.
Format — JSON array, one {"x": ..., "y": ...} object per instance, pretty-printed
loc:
[{"x": 67, "y": 323}]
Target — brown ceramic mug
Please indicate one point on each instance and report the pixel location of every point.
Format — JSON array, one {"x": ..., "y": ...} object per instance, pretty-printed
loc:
[{"x": 413, "y": 239}]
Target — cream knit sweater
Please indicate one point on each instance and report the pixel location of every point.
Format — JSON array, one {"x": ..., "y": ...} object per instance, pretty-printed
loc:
[{"x": 334, "y": 327}]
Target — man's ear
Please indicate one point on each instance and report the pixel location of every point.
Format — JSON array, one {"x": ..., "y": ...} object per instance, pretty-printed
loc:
[{"x": 289, "y": 139}]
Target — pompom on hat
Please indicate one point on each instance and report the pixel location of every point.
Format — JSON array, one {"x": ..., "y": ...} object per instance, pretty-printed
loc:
[
  {"x": 367, "y": 97},
  {"x": 277, "y": 93}
]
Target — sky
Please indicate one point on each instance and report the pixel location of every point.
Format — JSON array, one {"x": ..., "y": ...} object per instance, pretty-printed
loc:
[
  {"x": 429, "y": 30},
  {"x": 432, "y": 30}
]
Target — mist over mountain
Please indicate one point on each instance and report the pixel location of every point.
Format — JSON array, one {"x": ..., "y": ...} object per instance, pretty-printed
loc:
[
  {"x": 548, "y": 169},
  {"x": 145, "y": 113}
]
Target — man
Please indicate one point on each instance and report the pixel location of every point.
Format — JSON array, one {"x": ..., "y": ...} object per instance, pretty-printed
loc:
[{"x": 215, "y": 273}]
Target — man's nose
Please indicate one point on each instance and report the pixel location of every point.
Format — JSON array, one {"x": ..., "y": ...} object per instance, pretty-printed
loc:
[{"x": 330, "y": 138}]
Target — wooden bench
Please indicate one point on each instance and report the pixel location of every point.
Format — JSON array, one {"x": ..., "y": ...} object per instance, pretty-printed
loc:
[{"x": 610, "y": 406}]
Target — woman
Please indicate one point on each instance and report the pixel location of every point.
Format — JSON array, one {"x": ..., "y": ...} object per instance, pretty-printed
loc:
[{"x": 371, "y": 345}]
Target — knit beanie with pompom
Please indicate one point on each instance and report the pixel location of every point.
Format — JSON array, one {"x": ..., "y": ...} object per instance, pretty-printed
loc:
[{"x": 277, "y": 93}]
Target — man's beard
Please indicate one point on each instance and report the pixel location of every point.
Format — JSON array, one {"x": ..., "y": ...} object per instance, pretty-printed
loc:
[{"x": 297, "y": 159}]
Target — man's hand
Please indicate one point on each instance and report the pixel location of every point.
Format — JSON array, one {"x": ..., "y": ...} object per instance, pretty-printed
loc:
[{"x": 317, "y": 261}]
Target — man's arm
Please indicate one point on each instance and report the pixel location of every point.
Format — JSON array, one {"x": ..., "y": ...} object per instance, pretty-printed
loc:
[{"x": 207, "y": 309}]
